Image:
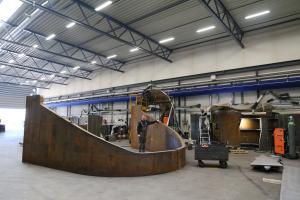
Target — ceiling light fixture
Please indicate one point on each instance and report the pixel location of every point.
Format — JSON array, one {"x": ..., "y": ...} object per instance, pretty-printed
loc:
[
  {"x": 101, "y": 6},
  {"x": 205, "y": 29},
  {"x": 50, "y": 36},
  {"x": 76, "y": 67},
  {"x": 52, "y": 76},
  {"x": 257, "y": 14},
  {"x": 21, "y": 55},
  {"x": 35, "y": 81},
  {"x": 166, "y": 40},
  {"x": 134, "y": 49},
  {"x": 70, "y": 25},
  {"x": 43, "y": 78},
  {"x": 112, "y": 56},
  {"x": 8, "y": 8},
  {"x": 35, "y": 46},
  {"x": 63, "y": 72},
  {"x": 94, "y": 62},
  {"x": 2, "y": 66},
  {"x": 45, "y": 3},
  {"x": 11, "y": 61}
]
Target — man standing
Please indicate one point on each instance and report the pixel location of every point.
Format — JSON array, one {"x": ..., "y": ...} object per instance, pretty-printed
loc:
[{"x": 142, "y": 132}]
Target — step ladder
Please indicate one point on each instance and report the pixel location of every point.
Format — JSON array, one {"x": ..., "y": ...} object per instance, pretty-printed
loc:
[{"x": 204, "y": 136}]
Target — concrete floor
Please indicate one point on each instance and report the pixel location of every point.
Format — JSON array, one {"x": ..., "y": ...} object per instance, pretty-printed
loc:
[{"x": 30, "y": 182}]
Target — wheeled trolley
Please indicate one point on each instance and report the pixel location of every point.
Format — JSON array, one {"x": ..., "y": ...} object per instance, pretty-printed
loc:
[{"x": 211, "y": 151}]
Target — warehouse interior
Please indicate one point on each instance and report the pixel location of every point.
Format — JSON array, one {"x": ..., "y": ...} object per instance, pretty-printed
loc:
[{"x": 150, "y": 99}]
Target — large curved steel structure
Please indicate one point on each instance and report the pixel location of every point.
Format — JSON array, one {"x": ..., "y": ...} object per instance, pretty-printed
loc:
[{"x": 52, "y": 141}]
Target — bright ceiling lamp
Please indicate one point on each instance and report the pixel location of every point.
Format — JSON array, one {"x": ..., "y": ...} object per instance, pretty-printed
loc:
[
  {"x": 11, "y": 61},
  {"x": 63, "y": 72},
  {"x": 42, "y": 78},
  {"x": 21, "y": 55},
  {"x": 76, "y": 67},
  {"x": 112, "y": 56},
  {"x": 166, "y": 40},
  {"x": 35, "y": 46},
  {"x": 205, "y": 29},
  {"x": 134, "y": 50},
  {"x": 50, "y": 37},
  {"x": 257, "y": 14},
  {"x": 8, "y": 8},
  {"x": 93, "y": 62},
  {"x": 101, "y": 6},
  {"x": 2, "y": 66},
  {"x": 70, "y": 25}
]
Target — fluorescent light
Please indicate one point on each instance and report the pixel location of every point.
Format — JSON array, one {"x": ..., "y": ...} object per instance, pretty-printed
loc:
[
  {"x": 35, "y": 81},
  {"x": 50, "y": 36},
  {"x": 27, "y": 81},
  {"x": 101, "y": 6},
  {"x": 8, "y": 8},
  {"x": 70, "y": 25},
  {"x": 205, "y": 29},
  {"x": 112, "y": 56},
  {"x": 35, "y": 46},
  {"x": 45, "y": 3},
  {"x": 257, "y": 14},
  {"x": 94, "y": 62},
  {"x": 52, "y": 76},
  {"x": 21, "y": 55},
  {"x": 63, "y": 72},
  {"x": 43, "y": 78},
  {"x": 2, "y": 66},
  {"x": 134, "y": 50},
  {"x": 11, "y": 61},
  {"x": 76, "y": 67},
  {"x": 166, "y": 40}
]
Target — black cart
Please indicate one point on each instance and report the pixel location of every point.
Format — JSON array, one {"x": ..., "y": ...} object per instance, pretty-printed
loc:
[{"x": 213, "y": 151}]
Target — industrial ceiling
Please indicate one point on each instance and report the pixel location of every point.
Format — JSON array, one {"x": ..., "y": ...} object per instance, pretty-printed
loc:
[{"x": 51, "y": 42}]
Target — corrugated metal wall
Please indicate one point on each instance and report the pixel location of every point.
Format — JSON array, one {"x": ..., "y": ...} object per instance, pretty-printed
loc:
[{"x": 13, "y": 96}]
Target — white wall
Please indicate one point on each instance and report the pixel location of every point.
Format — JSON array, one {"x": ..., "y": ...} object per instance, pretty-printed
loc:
[{"x": 268, "y": 46}]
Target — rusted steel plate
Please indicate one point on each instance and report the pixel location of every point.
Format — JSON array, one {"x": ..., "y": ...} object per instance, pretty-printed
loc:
[{"x": 51, "y": 141}]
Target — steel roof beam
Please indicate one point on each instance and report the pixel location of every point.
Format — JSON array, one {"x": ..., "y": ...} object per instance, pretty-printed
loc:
[
  {"x": 218, "y": 10},
  {"x": 147, "y": 44},
  {"x": 69, "y": 51},
  {"x": 30, "y": 48},
  {"x": 32, "y": 79},
  {"x": 112, "y": 64},
  {"x": 80, "y": 73},
  {"x": 18, "y": 84},
  {"x": 31, "y": 69},
  {"x": 162, "y": 9}
]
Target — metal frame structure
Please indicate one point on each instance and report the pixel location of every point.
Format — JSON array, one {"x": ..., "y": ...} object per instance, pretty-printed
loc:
[
  {"x": 117, "y": 30},
  {"x": 43, "y": 65},
  {"x": 66, "y": 50},
  {"x": 51, "y": 57},
  {"x": 74, "y": 52},
  {"x": 218, "y": 10}
]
